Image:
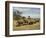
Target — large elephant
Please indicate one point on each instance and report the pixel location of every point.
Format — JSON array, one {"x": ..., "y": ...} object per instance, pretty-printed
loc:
[{"x": 20, "y": 23}]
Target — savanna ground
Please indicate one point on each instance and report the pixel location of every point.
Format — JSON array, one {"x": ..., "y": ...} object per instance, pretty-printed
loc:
[
  {"x": 26, "y": 22},
  {"x": 34, "y": 26}
]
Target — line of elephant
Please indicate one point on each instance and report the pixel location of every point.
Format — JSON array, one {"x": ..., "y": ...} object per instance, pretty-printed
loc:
[{"x": 25, "y": 22}]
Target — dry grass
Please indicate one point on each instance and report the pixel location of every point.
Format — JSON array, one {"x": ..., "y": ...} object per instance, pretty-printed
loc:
[{"x": 35, "y": 26}]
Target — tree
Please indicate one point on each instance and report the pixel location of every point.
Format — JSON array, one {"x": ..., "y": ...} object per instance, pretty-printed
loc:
[
  {"x": 17, "y": 13},
  {"x": 29, "y": 17},
  {"x": 23, "y": 17}
]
